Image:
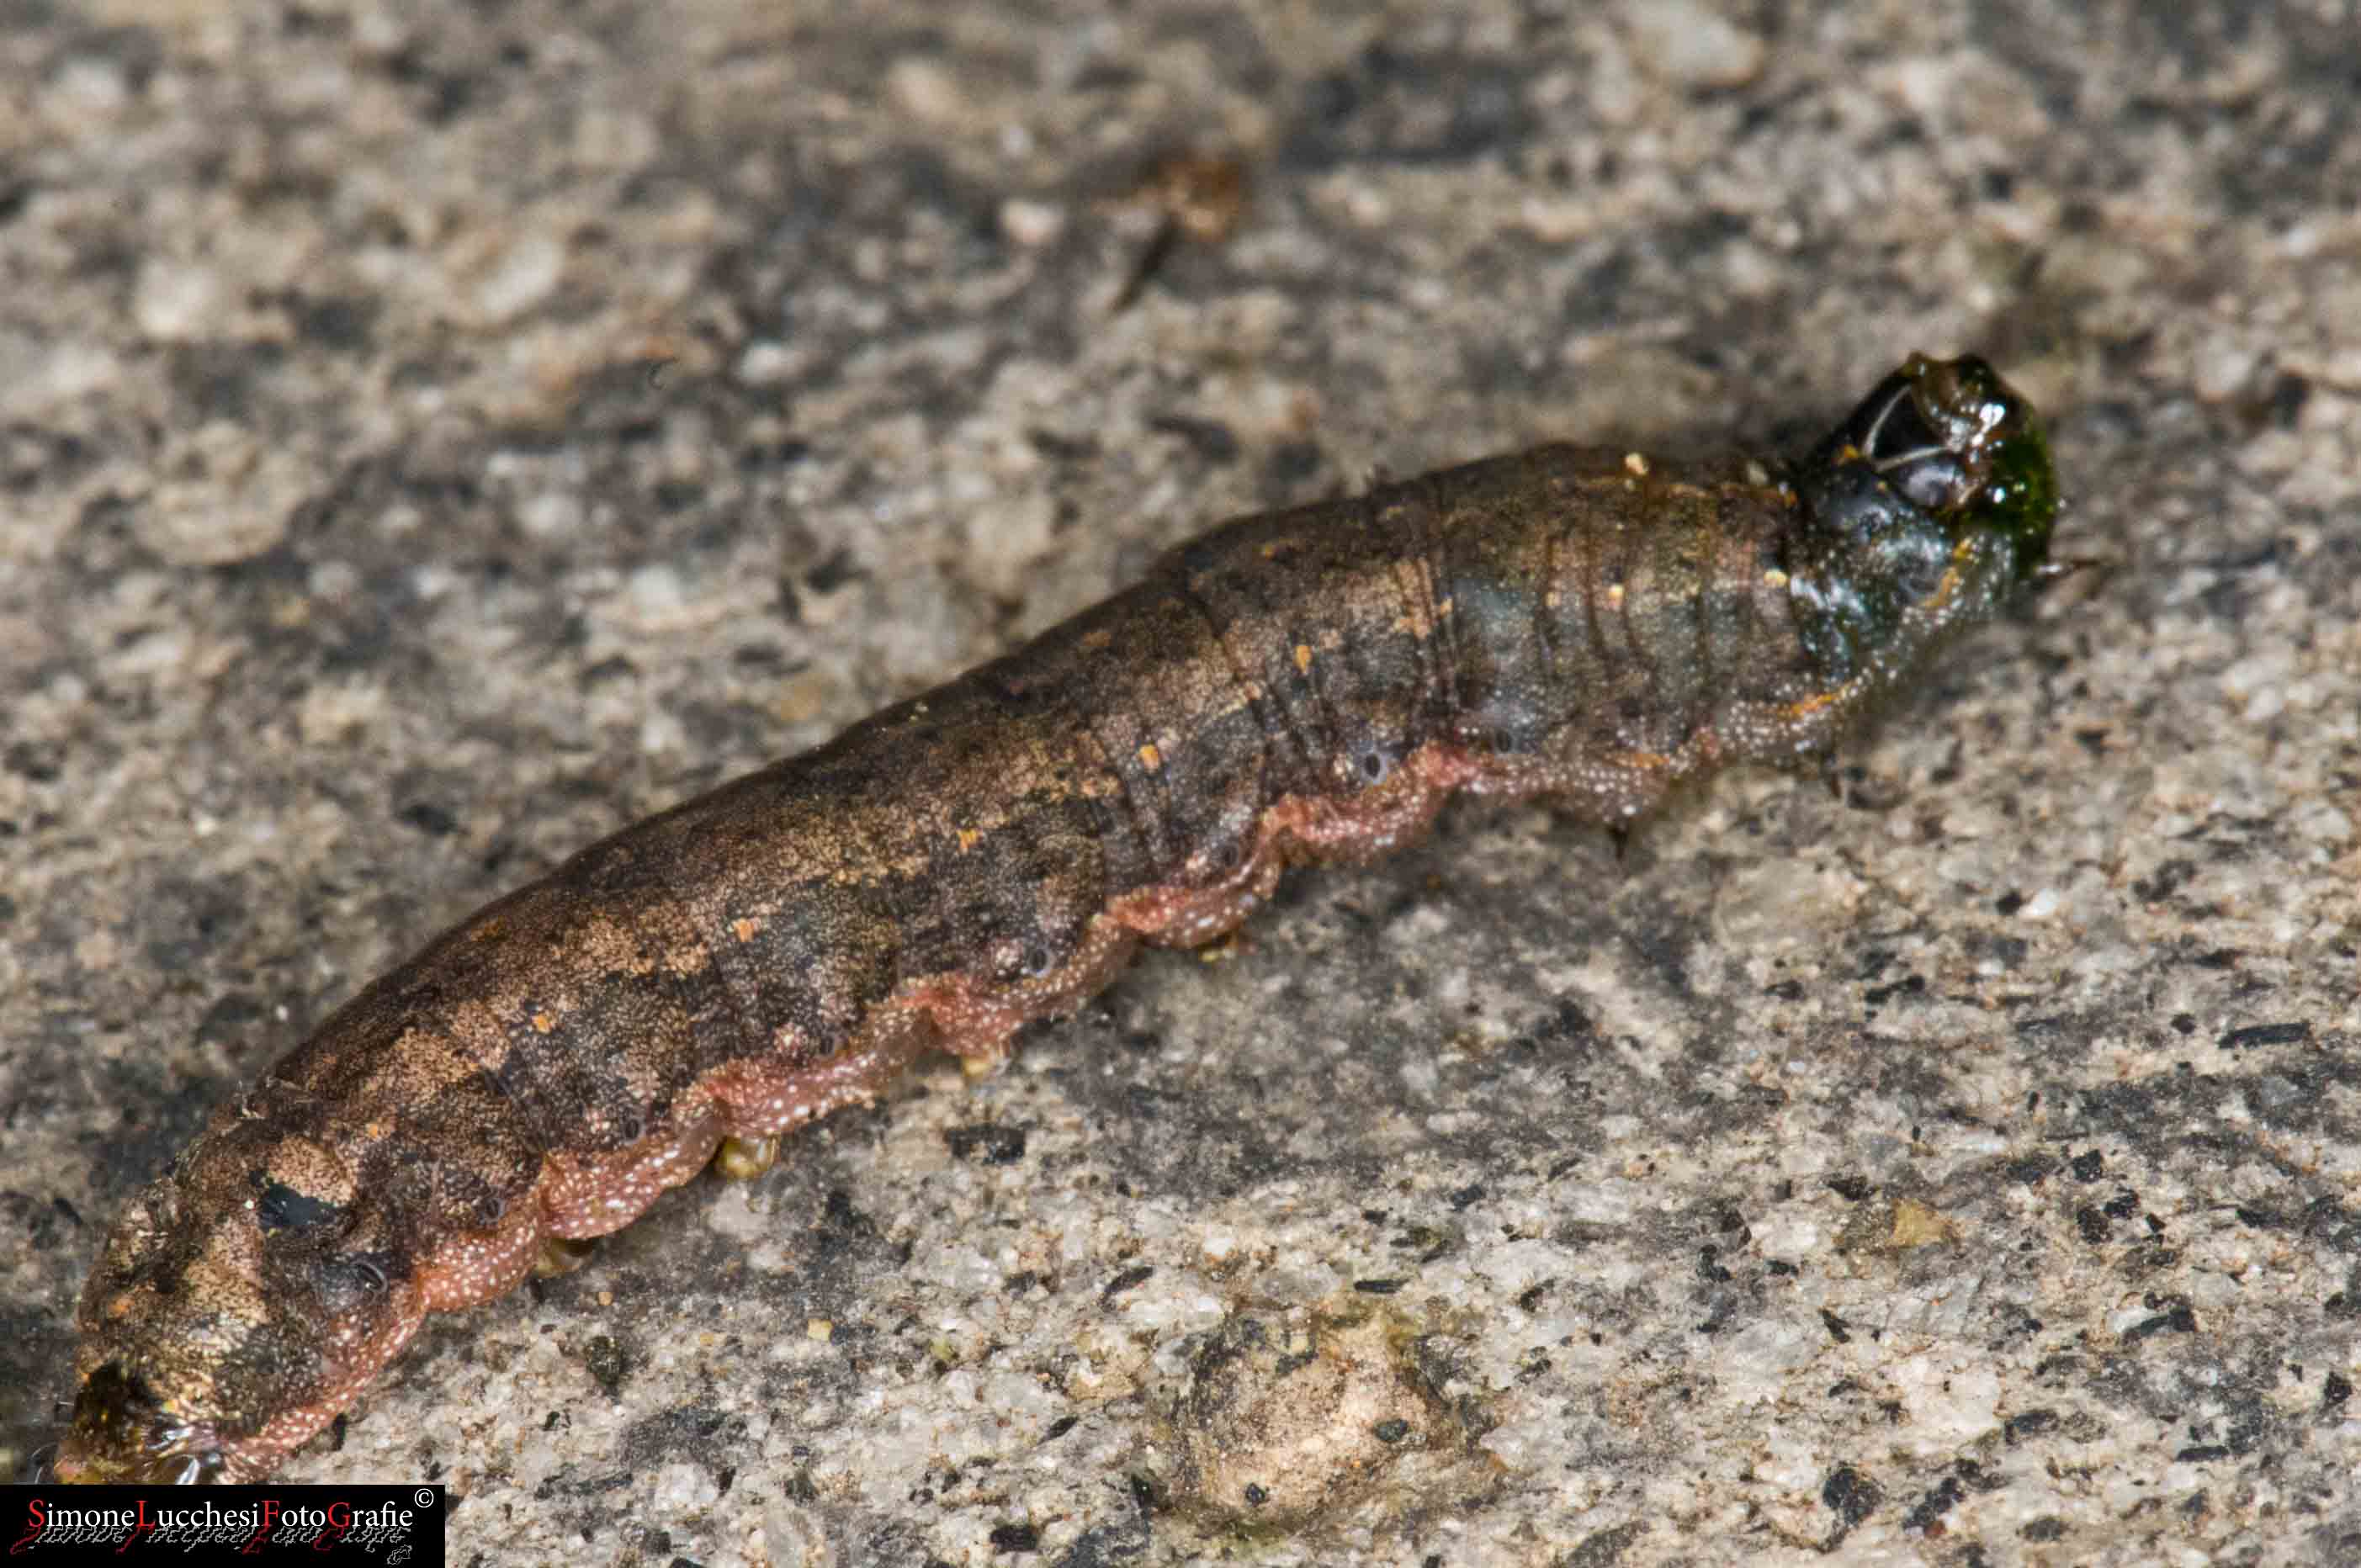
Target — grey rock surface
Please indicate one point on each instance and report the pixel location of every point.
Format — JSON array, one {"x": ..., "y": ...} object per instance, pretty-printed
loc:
[{"x": 433, "y": 436}]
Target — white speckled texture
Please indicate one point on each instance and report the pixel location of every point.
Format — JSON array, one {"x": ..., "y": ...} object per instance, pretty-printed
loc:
[{"x": 433, "y": 435}]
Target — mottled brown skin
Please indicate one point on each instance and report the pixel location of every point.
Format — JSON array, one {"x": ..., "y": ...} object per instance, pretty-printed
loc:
[{"x": 1583, "y": 625}]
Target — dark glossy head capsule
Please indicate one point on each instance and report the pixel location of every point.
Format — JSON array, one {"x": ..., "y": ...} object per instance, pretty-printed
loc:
[
  {"x": 1924, "y": 511},
  {"x": 1951, "y": 438}
]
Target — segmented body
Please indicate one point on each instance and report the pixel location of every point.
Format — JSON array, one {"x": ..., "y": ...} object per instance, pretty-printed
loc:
[{"x": 1584, "y": 625}]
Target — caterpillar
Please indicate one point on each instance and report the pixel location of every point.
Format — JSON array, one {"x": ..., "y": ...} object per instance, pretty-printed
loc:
[{"x": 1583, "y": 625}]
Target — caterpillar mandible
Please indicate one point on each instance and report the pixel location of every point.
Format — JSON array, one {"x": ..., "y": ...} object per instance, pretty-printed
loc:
[{"x": 1583, "y": 625}]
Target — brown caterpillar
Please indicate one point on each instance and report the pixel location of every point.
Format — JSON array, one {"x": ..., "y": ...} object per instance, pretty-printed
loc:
[{"x": 1583, "y": 625}]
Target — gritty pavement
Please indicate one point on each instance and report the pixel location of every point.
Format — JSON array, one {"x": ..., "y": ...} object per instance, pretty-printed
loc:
[{"x": 433, "y": 436}]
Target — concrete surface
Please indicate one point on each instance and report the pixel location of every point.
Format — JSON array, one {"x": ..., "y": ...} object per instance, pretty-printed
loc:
[{"x": 430, "y": 436}]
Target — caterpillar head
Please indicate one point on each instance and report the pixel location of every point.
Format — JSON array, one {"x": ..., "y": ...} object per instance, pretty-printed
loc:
[{"x": 1923, "y": 512}]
